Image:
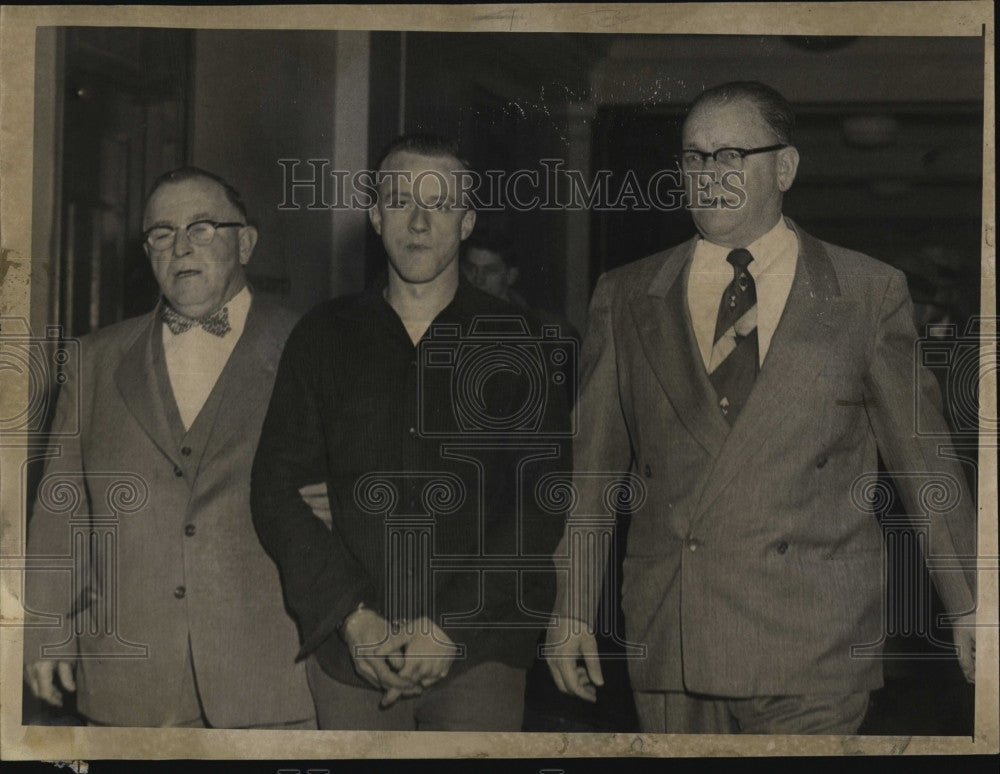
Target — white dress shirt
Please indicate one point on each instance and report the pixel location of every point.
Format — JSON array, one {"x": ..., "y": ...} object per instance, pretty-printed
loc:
[
  {"x": 772, "y": 269},
  {"x": 195, "y": 358}
]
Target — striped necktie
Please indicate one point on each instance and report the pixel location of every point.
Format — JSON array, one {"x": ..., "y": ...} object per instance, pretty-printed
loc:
[{"x": 734, "y": 364}]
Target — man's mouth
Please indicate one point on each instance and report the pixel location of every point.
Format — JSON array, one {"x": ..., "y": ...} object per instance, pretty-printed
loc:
[{"x": 185, "y": 273}]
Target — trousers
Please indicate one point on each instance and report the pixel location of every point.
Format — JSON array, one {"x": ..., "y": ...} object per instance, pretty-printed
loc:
[
  {"x": 487, "y": 697},
  {"x": 677, "y": 712}
]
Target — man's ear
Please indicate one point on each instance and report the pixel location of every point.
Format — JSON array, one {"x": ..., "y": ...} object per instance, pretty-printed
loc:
[
  {"x": 375, "y": 216},
  {"x": 468, "y": 223},
  {"x": 788, "y": 165},
  {"x": 248, "y": 241}
]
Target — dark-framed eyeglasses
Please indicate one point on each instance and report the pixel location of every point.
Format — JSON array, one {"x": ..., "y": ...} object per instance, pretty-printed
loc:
[
  {"x": 201, "y": 232},
  {"x": 690, "y": 159}
]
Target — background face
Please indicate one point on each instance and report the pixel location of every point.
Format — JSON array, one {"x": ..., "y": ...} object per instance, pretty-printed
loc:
[
  {"x": 418, "y": 217},
  {"x": 736, "y": 125},
  {"x": 487, "y": 271},
  {"x": 197, "y": 279}
]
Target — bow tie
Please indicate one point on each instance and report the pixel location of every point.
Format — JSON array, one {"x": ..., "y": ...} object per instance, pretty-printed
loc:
[{"x": 217, "y": 323}]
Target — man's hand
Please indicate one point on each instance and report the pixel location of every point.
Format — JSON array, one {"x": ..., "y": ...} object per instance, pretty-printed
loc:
[
  {"x": 41, "y": 678},
  {"x": 428, "y": 652},
  {"x": 376, "y": 655},
  {"x": 316, "y": 497},
  {"x": 567, "y": 643},
  {"x": 965, "y": 640}
]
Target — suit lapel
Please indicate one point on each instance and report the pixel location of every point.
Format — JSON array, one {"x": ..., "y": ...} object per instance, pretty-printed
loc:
[
  {"x": 137, "y": 384},
  {"x": 667, "y": 338},
  {"x": 813, "y": 313},
  {"x": 245, "y": 381}
]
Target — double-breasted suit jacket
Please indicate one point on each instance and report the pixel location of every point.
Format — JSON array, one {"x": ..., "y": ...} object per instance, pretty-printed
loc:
[
  {"x": 754, "y": 564},
  {"x": 184, "y": 572}
]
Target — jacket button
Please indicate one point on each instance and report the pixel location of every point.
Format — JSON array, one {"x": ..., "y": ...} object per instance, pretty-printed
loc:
[
  {"x": 782, "y": 547},
  {"x": 413, "y": 432},
  {"x": 179, "y": 592},
  {"x": 189, "y": 530},
  {"x": 647, "y": 471},
  {"x": 821, "y": 462},
  {"x": 186, "y": 451},
  {"x": 178, "y": 472},
  {"x": 694, "y": 545}
]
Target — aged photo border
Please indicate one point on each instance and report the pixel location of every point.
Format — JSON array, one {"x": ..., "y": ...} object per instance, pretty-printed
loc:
[{"x": 23, "y": 261}]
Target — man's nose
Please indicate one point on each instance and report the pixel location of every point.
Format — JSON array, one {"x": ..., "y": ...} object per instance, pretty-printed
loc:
[
  {"x": 182, "y": 243},
  {"x": 419, "y": 220}
]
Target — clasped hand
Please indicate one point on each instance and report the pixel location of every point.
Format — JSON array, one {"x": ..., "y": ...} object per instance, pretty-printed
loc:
[{"x": 400, "y": 658}]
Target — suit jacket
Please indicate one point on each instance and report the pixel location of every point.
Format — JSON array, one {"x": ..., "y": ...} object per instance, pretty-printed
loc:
[
  {"x": 172, "y": 555},
  {"x": 755, "y": 562}
]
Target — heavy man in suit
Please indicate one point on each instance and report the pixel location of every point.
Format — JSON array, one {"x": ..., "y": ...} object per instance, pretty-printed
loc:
[
  {"x": 750, "y": 377},
  {"x": 182, "y": 623}
]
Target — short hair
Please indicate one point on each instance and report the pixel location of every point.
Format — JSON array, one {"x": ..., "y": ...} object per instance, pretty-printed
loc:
[
  {"x": 774, "y": 108},
  {"x": 495, "y": 242},
  {"x": 423, "y": 144},
  {"x": 182, "y": 174}
]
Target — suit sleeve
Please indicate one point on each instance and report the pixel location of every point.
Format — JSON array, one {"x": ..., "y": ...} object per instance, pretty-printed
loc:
[
  {"x": 905, "y": 396},
  {"x": 601, "y": 449},
  {"x": 62, "y": 495},
  {"x": 322, "y": 581}
]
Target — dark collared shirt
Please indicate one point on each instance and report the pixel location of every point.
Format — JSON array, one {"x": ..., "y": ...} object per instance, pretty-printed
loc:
[{"x": 431, "y": 455}]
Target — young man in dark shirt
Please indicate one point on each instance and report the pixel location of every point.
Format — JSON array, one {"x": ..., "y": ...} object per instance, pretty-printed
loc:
[{"x": 419, "y": 406}]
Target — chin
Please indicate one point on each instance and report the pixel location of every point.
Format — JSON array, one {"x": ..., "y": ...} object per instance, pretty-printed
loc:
[
  {"x": 717, "y": 224},
  {"x": 191, "y": 308}
]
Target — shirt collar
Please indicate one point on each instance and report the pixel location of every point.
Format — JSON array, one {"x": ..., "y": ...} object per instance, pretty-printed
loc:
[
  {"x": 462, "y": 304},
  {"x": 239, "y": 308},
  {"x": 778, "y": 241}
]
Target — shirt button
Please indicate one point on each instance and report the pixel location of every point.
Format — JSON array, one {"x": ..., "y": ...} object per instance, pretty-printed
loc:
[
  {"x": 647, "y": 471},
  {"x": 413, "y": 432},
  {"x": 189, "y": 530},
  {"x": 694, "y": 545},
  {"x": 178, "y": 472},
  {"x": 179, "y": 592},
  {"x": 186, "y": 451},
  {"x": 782, "y": 547}
]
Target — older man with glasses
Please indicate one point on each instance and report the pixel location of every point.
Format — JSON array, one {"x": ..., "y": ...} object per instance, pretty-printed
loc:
[
  {"x": 178, "y": 620},
  {"x": 752, "y": 377}
]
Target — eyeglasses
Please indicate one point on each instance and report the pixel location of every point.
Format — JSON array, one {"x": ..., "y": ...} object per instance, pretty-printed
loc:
[
  {"x": 726, "y": 158},
  {"x": 201, "y": 232}
]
